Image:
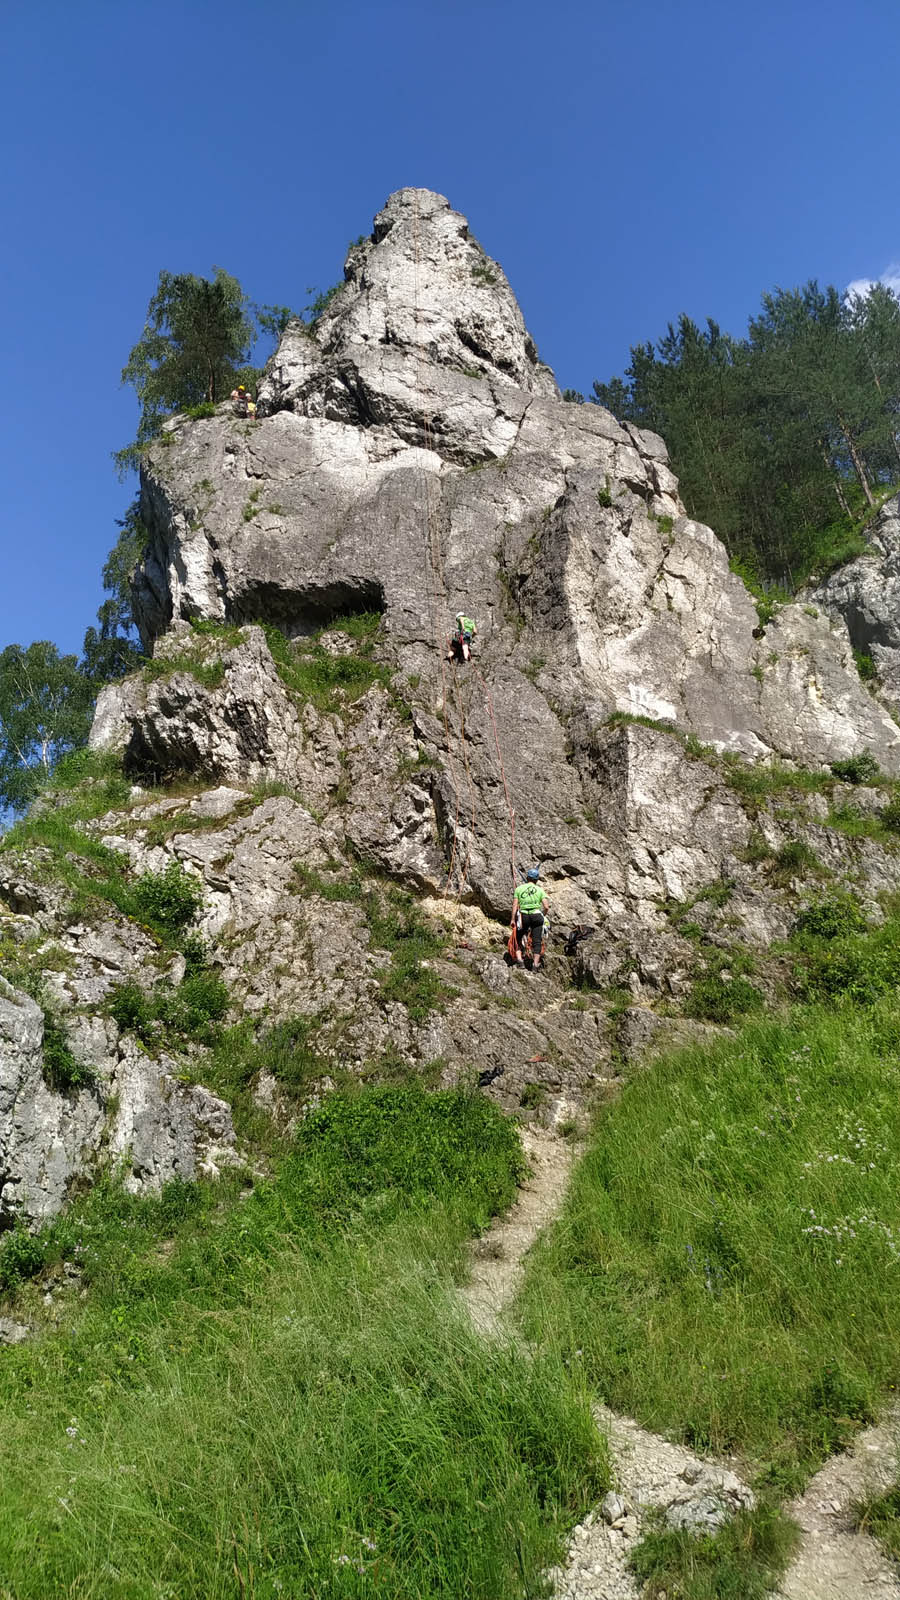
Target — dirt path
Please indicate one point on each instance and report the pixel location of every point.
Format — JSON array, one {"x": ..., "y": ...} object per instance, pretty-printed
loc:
[
  {"x": 650, "y": 1471},
  {"x": 499, "y": 1261},
  {"x": 834, "y": 1562}
]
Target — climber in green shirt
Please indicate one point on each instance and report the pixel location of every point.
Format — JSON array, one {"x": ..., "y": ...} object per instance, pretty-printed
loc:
[
  {"x": 461, "y": 640},
  {"x": 528, "y": 908}
]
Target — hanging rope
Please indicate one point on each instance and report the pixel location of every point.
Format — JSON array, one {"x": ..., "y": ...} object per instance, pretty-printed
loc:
[
  {"x": 509, "y": 805},
  {"x": 437, "y": 590}
]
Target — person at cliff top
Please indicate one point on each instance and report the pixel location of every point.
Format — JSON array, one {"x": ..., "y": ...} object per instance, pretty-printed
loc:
[
  {"x": 462, "y": 638},
  {"x": 528, "y": 910},
  {"x": 240, "y": 399}
]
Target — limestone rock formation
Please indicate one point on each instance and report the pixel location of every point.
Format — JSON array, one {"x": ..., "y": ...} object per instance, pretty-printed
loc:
[
  {"x": 865, "y": 595},
  {"x": 412, "y": 456},
  {"x": 132, "y": 1112}
]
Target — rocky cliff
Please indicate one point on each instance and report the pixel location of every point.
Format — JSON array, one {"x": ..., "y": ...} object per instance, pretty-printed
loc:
[{"x": 335, "y": 786}]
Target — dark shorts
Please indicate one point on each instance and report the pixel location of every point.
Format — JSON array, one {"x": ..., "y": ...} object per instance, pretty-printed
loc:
[{"x": 532, "y": 922}]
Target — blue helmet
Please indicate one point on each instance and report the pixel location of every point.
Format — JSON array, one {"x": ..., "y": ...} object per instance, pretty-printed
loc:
[{"x": 533, "y": 874}]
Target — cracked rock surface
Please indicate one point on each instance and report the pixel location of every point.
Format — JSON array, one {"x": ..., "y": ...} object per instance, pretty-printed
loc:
[{"x": 413, "y": 456}]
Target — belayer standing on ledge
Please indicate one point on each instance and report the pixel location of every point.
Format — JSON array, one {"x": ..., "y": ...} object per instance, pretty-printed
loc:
[
  {"x": 529, "y": 904},
  {"x": 461, "y": 639},
  {"x": 243, "y": 402}
]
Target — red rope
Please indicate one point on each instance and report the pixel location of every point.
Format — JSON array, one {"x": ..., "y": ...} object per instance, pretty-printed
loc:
[{"x": 509, "y": 805}]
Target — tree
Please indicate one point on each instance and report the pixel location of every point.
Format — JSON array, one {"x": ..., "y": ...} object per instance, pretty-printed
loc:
[
  {"x": 45, "y": 711},
  {"x": 195, "y": 345},
  {"x": 112, "y": 650},
  {"x": 780, "y": 439}
]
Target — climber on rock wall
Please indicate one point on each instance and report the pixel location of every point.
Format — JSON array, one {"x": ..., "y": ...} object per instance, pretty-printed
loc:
[
  {"x": 461, "y": 639},
  {"x": 529, "y": 908}
]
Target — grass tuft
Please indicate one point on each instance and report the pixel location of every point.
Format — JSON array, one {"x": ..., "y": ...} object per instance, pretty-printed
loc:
[{"x": 742, "y": 1561}]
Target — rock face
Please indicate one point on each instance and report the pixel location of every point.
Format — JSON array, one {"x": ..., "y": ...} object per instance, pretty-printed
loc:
[
  {"x": 412, "y": 456},
  {"x": 137, "y": 1114},
  {"x": 865, "y": 595}
]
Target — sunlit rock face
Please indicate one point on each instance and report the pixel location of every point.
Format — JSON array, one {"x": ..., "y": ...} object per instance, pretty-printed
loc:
[{"x": 413, "y": 457}]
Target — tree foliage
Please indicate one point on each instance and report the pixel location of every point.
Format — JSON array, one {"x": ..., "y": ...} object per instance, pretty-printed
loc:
[
  {"x": 195, "y": 345},
  {"x": 783, "y": 439},
  {"x": 45, "y": 710},
  {"x": 111, "y": 649}
]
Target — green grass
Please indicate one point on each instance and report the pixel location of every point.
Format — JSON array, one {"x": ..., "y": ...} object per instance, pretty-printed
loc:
[
  {"x": 726, "y": 1267},
  {"x": 165, "y": 902},
  {"x": 210, "y": 674},
  {"x": 278, "y": 1395},
  {"x": 743, "y": 1561},
  {"x": 847, "y": 819},
  {"x": 396, "y": 925},
  {"x": 193, "y": 1010},
  {"x": 881, "y": 1518},
  {"x": 754, "y": 781},
  {"x": 327, "y": 682}
]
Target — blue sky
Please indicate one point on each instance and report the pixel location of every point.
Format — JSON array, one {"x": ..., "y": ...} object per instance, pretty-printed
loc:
[{"x": 624, "y": 161}]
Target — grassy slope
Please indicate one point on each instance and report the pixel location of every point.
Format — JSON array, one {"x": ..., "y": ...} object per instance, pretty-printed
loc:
[
  {"x": 729, "y": 1261},
  {"x": 284, "y": 1397}
]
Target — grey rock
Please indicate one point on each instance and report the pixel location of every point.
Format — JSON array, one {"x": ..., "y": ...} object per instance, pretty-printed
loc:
[
  {"x": 243, "y": 729},
  {"x": 12, "y": 1332},
  {"x": 864, "y": 596},
  {"x": 136, "y": 1112},
  {"x": 715, "y": 1496},
  {"x": 612, "y": 1507}
]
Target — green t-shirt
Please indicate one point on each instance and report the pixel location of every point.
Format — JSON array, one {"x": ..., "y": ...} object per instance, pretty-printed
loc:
[
  {"x": 530, "y": 896},
  {"x": 465, "y": 624}
]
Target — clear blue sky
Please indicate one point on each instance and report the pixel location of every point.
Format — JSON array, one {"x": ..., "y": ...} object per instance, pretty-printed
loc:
[{"x": 624, "y": 161}]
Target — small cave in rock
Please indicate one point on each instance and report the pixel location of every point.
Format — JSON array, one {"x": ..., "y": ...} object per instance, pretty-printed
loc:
[{"x": 300, "y": 612}]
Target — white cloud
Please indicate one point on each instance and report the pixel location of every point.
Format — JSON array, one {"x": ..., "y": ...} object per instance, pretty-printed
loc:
[{"x": 890, "y": 277}]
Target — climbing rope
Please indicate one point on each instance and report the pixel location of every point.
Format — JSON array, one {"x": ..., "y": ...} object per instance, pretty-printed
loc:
[
  {"x": 437, "y": 589},
  {"x": 509, "y": 805}
]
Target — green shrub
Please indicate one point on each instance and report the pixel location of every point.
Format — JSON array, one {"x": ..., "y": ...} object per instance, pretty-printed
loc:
[
  {"x": 890, "y": 816},
  {"x": 793, "y": 857},
  {"x": 168, "y": 899},
  {"x": 61, "y": 1069},
  {"x": 200, "y": 1000},
  {"x": 865, "y": 666},
  {"x": 713, "y": 998},
  {"x": 862, "y": 768},
  {"x": 192, "y": 1009},
  {"x": 404, "y": 1142},
  {"x": 858, "y": 967},
  {"x": 21, "y": 1256},
  {"x": 131, "y": 1008},
  {"x": 206, "y": 408},
  {"x": 831, "y": 917},
  {"x": 196, "y": 954}
]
